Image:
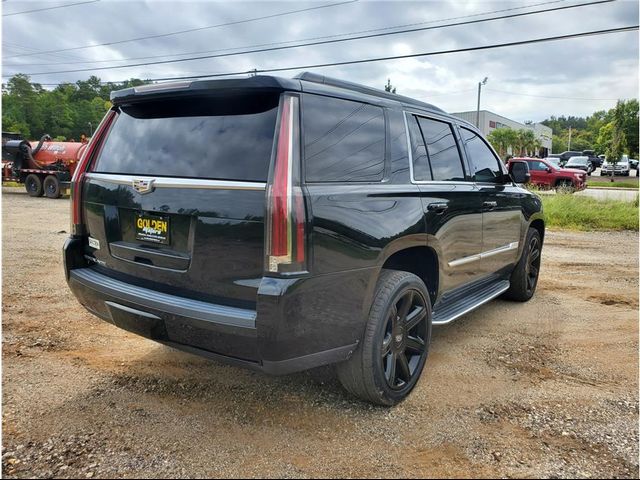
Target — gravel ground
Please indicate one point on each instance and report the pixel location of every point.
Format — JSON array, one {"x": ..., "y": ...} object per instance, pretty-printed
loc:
[{"x": 543, "y": 389}]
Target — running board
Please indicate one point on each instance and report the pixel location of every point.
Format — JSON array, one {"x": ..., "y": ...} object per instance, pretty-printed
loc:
[{"x": 458, "y": 306}]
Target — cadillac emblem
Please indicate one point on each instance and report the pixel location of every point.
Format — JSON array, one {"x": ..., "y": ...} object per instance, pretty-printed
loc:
[{"x": 143, "y": 185}]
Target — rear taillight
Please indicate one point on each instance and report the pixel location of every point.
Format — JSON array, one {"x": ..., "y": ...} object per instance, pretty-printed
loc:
[
  {"x": 77, "y": 222},
  {"x": 286, "y": 217}
]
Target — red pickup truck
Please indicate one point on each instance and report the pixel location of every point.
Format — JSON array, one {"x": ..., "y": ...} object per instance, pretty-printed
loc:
[{"x": 545, "y": 174}]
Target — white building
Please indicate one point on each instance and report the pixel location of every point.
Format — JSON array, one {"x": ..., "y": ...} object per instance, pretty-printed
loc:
[{"x": 489, "y": 121}]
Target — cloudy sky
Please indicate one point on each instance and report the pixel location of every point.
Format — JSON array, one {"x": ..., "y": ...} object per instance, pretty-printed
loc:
[{"x": 583, "y": 75}]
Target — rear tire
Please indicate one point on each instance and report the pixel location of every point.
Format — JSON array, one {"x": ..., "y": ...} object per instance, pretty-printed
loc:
[
  {"x": 388, "y": 363},
  {"x": 52, "y": 186},
  {"x": 524, "y": 278},
  {"x": 33, "y": 185}
]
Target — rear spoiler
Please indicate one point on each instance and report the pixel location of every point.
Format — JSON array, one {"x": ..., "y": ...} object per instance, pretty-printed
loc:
[{"x": 259, "y": 83}]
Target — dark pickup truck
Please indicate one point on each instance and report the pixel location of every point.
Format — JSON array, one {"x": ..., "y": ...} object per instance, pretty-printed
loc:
[{"x": 285, "y": 224}]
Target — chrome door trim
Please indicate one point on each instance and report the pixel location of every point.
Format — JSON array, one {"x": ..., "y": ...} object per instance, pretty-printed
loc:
[
  {"x": 428, "y": 182},
  {"x": 175, "y": 182},
  {"x": 480, "y": 256}
]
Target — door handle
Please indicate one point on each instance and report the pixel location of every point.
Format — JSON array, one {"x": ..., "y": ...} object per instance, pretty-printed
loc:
[
  {"x": 437, "y": 207},
  {"x": 490, "y": 205}
]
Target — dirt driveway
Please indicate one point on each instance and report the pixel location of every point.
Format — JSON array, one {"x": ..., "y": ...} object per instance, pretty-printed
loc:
[{"x": 543, "y": 389}]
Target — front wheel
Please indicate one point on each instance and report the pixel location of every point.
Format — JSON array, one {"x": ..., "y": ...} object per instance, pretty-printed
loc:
[
  {"x": 565, "y": 186},
  {"x": 389, "y": 361},
  {"x": 524, "y": 277}
]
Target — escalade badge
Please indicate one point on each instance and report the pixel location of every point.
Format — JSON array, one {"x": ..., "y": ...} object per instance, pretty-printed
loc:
[{"x": 143, "y": 185}]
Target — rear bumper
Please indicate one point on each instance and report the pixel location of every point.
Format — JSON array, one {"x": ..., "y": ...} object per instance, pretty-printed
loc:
[{"x": 278, "y": 338}]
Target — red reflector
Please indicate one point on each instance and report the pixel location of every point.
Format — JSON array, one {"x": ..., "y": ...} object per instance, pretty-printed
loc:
[{"x": 300, "y": 217}]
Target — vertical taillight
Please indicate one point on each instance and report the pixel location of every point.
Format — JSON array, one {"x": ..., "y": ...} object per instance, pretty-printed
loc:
[
  {"x": 286, "y": 218},
  {"x": 77, "y": 223}
]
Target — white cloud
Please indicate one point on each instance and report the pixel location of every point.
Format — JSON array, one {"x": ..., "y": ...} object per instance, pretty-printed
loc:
[{"x": 593, "y": 67}]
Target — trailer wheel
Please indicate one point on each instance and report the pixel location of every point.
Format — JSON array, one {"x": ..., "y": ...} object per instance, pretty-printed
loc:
[
  {"x": 52, "y": 186},
  {"x": 33, "y": 185}
]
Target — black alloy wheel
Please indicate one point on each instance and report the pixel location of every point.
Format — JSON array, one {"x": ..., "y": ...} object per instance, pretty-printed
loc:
[
  {"x": 532, "y": 268},
  {"x": 404, "y": 341},
  {"x": 386, "y": 365},
  {"x": 524, "y": 278}
]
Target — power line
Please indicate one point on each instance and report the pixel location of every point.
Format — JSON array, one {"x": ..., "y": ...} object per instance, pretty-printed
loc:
[
  {"x": 289, "y": 41},
  {"x": 23, "y": 47},
  {"x": 321, "y": 42},
  {"x": 401, "y": 57},
  {"x": 48, "y": 8},
  {"x": 547, "y": 96},
  {"x": 180, "y": 32}
]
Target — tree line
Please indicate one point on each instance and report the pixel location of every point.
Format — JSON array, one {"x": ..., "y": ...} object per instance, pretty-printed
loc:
[
  {"x": 613, "y": 133},
  {"x": 67, "y": 112},
  {"x": 598, "y": 130}
]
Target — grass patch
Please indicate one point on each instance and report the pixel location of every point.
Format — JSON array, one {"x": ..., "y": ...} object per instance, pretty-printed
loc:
[
  {"x": 583, "y": 213},
  {"x": 613, "y": 184},
  {"x": 12, "y": 184}
]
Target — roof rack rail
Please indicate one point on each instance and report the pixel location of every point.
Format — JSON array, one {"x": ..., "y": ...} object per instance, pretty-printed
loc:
[{"x": 334, "y": 82}]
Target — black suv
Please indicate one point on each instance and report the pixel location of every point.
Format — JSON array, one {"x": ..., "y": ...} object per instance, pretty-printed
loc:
[{"x": 285, "y": 224}]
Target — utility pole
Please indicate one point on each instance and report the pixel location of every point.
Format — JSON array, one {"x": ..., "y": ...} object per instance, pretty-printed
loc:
[
  {"x": 90, "y": 129},
  {"x": 569, "y": 146},
  {"x": 483, "y": 82}
]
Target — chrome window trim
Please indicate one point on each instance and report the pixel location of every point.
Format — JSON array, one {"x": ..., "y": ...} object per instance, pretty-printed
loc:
[
  {"x": 429, "y": 182},
  {"x": 176, "y": 182},
  {"x": 406, "y": 130},
  {"x": 480, "y": 256}
]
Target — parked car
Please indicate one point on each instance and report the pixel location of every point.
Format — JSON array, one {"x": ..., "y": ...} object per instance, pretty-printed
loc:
[
  {"x": 633, "y": 163},
  {"x": 621, "y": 168},
  {"x": 580, "y": 163},
  {"x": 555, "y": 161},
  {"x": 546, "y": 175},
  {"x": 595, "y": 160},
  {"x": 565, "y": 156},
  {"x": 285, "y": 224}
]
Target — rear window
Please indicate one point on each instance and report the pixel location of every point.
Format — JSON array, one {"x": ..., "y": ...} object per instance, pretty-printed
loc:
[{"x": 228, "y": 138}]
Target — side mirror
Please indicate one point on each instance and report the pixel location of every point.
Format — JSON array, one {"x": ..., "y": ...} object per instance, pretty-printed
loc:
[
  {"x": 548, "y": 169},
  {"x": 519, "y": 172}
]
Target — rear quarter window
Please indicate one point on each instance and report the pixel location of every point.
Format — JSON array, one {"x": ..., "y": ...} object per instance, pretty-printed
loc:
[
  {"x": 344, "y": 141},
  {"x": 225, "y": 139}
]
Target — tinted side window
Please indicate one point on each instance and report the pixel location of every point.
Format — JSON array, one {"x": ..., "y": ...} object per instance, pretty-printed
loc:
[
  {"x": 535, "y": 165},
  {"x": 421, "y": 168},
  {"x": 484, "y": 163},
  {"x": 343, "y": 140},
  {"x": 444, "y": 156},
  {"x": 398, "y": 144}
]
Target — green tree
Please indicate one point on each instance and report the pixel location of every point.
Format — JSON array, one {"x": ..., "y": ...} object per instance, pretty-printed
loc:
[
  {"x": 502, "y": 139},
  {"x": 630, "y": 126},
  {"x": 69, "y": 110},
  {"x": 525, "y": 141},
  {"x": 605, "y": 136},
  {"x": 616, "y": 146}
]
